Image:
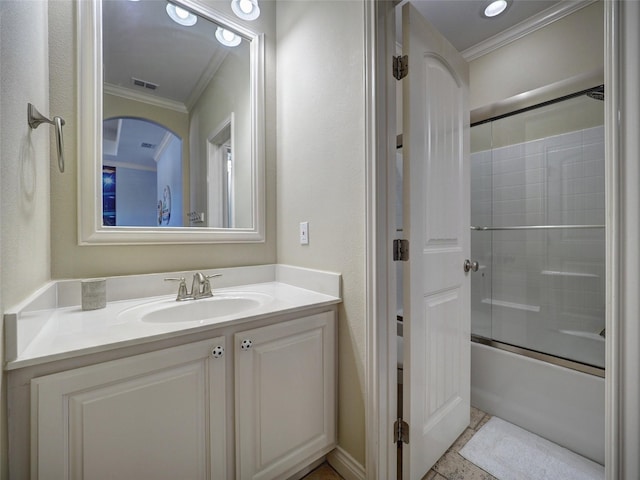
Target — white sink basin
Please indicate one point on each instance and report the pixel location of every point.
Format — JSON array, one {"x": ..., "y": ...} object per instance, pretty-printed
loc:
[{"x": 202, "y": 310}]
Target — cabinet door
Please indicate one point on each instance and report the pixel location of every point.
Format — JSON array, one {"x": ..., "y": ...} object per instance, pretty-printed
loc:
[
  {"x": 159, "y": 415},
  {"x": 285, "y": 396}
]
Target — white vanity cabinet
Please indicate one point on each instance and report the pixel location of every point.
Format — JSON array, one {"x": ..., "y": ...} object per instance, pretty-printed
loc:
[
  {"x": 159, "y": 415},
  {"x": 285, "y": 401},
  {"x": 168, "y": 414}
]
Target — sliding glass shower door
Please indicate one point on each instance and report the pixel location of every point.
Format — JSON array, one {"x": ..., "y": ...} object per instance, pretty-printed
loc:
[{"x": 537, "y": 215}]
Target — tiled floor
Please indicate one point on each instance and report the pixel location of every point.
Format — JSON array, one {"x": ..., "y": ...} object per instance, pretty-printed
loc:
[
  {"x": 451, "y": 466},
  {"x": 323, "y": 472}
]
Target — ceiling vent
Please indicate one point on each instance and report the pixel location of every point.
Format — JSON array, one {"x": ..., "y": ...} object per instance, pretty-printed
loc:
[
  {"x": 147, "y": 145},
  {"x": 143, "y": 83}
]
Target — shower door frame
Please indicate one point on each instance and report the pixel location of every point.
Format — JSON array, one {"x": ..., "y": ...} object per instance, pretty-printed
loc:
[
  {"x": 514, "y": 108},
  {"x": 622, "y": 69}
]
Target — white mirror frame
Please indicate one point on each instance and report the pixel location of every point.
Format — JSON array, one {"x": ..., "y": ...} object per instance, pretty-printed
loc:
[{"x": 89, "y": 118}]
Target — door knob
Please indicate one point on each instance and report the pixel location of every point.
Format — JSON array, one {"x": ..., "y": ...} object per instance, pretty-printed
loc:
[{"x": 470, "y": 266}]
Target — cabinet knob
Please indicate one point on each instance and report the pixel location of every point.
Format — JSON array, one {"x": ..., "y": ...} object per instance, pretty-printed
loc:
[
  {"x": 217, "y": 351},
  {"x": 246, "y": 344}
]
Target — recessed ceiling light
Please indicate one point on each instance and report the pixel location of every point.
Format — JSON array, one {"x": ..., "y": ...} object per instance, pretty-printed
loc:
[
  {"x": 181, "y": 16},
  {"x": 246, "y": 9},
  {"x": 227, "y": 37},
  {"x": 495, "y": 8}
]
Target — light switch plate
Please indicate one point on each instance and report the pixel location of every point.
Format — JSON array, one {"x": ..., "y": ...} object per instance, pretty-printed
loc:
[{"x": 304, "y": 233}]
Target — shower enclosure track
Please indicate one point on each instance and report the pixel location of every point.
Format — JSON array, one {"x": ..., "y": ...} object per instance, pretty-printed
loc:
[{"x": 543, "y": 357}]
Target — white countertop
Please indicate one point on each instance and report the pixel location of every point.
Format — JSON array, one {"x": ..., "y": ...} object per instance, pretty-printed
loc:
[{"x": 67, "y": 332}]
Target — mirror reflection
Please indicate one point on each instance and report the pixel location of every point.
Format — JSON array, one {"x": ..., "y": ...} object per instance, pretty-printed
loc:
[
  {"x": 177, "y": 126},
  {"x": 137, "y": 176}
]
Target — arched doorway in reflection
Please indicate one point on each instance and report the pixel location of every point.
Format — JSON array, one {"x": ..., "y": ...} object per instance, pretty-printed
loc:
[{"x": 141, "y": 174}]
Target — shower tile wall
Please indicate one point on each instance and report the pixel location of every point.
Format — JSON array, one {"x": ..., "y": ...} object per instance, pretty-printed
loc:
[{"x": 541, "y": 289}]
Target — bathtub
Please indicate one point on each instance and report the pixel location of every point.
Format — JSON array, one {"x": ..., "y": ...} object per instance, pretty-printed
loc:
[{"x": 562, "y": 405}]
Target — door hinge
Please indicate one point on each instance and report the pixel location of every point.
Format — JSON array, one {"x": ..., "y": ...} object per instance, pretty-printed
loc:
[
  {"x": 400, "y": 250},
  {"x": 400, "y": 431},
  {"x": 400, "y": 66}
]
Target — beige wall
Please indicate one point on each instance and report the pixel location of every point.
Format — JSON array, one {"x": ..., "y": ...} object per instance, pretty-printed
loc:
[
  {"x": 68, "y": 260},
  {"x": 567, "y": 48},
  {"x": 320, "y": 105},
  {"x": 321, "y": 172},
  {"x": 24, "y": 164},
  {"x": 229, "y": 91},
  {"x": 563, "y": 117},
  {"x": 570, "y": 48}
]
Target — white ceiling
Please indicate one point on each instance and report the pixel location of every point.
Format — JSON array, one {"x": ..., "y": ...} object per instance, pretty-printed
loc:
[
  {"x": 462, "y": 22},
  {"x": 133, "y": 143},
  {"x": 141, "y": 41}
]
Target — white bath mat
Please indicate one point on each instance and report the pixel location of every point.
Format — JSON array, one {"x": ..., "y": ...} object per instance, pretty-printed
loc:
[{"x": 510, "y": 453}]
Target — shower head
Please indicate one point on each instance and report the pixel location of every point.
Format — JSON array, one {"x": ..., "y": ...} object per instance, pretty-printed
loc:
[{"x": 597, "y": 93}]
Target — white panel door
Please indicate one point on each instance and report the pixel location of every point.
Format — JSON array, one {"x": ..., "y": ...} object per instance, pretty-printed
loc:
[
  {"x": 159, "y": 415},
  {"x": 436, "y": 205},
  {"x": 285, "y": 396}
]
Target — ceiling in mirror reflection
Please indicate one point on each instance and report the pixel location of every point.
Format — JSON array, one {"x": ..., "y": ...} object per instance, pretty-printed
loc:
[
  {"x": 140, "y": 40},
  {"x": 122, "y": 145}
]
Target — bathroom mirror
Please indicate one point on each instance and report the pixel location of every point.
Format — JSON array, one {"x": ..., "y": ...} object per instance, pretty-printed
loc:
[{"x": 170, "y": 124}]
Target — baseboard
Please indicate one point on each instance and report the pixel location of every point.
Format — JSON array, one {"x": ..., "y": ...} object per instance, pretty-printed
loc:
[{"x": 345, "y": 465}]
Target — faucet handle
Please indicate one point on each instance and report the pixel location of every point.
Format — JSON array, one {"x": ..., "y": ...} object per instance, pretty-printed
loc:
[
  {"x": 183, "y": 294},
  {"x": 206, "y": 287}
]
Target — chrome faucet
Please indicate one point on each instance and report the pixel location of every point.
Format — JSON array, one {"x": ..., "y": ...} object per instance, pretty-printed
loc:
[{"x": 200, "y": 287}]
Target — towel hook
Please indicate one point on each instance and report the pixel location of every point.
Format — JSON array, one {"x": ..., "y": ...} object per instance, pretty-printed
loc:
[{"x": 35, "y": 118}]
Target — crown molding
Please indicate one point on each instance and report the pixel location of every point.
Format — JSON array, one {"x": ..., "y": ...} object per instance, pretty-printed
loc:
[
  {"x": 144, "y": 98},
  {"x": 132, "y": 166},
  {"x": 542, "y": 19},
  {"x": 203, "y": 82},
  {"x": 164, "y": 143}
]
